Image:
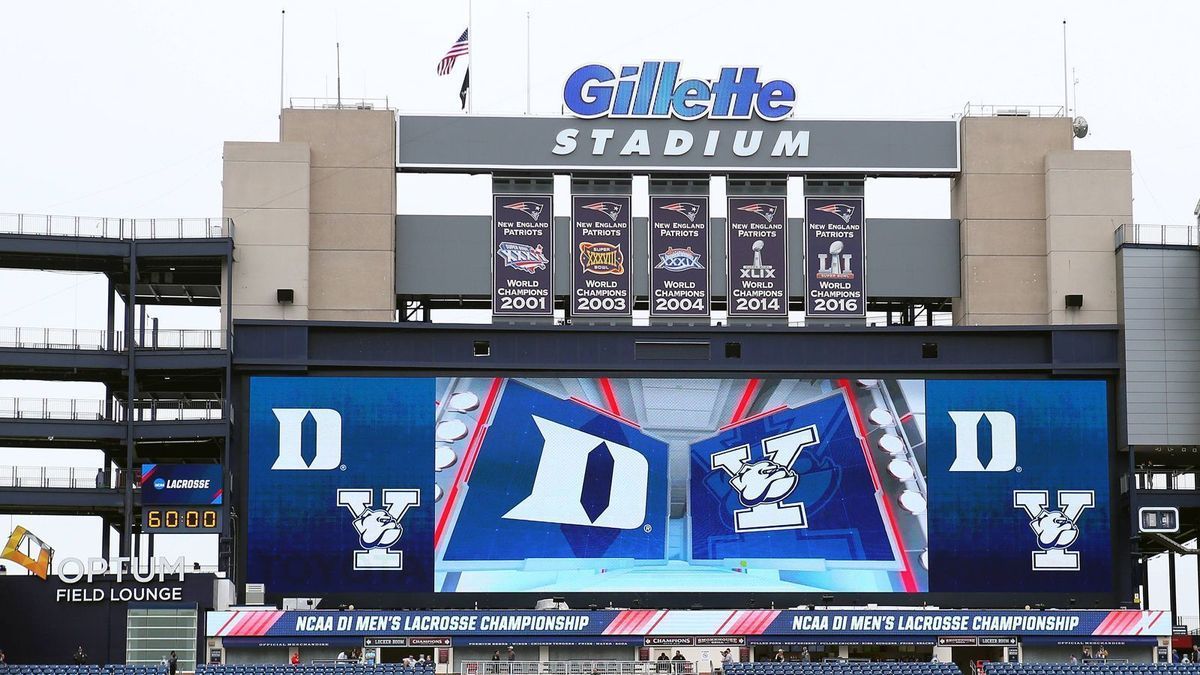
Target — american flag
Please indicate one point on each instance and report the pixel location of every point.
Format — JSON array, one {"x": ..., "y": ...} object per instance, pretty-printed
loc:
[{"x": 459, "y": 48}]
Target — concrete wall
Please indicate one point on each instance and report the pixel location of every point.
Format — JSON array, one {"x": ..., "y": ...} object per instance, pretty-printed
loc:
[
  {"x": 1160, "y": 309},
  {"x": 266, "y": 193}
]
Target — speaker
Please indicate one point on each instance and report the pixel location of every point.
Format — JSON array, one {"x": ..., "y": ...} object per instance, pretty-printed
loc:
[
  {"x": 1074, "y": 301},
  {"x": 285, "y": 296}
]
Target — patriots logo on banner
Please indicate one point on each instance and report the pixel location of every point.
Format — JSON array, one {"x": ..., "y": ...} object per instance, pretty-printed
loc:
[
  {"x": 767, "y": 211},
  {"x": 686, "y": 209},
  {"x": 843, "y": 211},
  {"x": 534, "y": 209},
  {"x": 610, "y": 209}
]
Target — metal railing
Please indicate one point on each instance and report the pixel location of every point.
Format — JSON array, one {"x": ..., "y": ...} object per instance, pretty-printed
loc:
[
  {"x": 144, "y": 410},
  {"x": 24, "y": 337},
  {"x": 115, "y": 228},
  {"x": 578, "y": 667},
  {"x": 1157, "y": 235},
  {"x": 51, "y": 477},
  {"x": 1012, "y": 110},
  {"x": 345, "y": 103}
]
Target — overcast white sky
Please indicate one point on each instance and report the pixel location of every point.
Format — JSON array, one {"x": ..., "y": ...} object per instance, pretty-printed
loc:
[{"x": 120, "y": 108}]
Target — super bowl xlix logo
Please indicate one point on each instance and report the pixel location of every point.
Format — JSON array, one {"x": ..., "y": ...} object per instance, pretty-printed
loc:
[
  {"x": 763, "y": 485},
  {"x": 378, "y": 529},
  {"x": 1055, "y": 530}
]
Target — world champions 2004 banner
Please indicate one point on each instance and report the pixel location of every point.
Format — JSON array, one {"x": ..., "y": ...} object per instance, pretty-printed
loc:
[
  {"x": 523, "y": 255},
  {"x": 679, "y": 257},
  {"x": 565, "y": 484},
  {"x": 601, "y": 273}
]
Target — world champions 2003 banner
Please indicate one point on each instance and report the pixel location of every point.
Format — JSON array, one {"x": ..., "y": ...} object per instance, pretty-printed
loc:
[
  {"x": 566, "y": 484},
  {"x": 523, "y": 255},
  {"x": 601, "y": 273}
]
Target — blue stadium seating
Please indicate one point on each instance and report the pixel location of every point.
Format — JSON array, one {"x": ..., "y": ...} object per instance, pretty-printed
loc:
[
  {"x": 64, "y": 669},
  {"x": 319, "y": 669},
  {"x": 843, "y": 668},
  {"x": 1105, "y": 668}
]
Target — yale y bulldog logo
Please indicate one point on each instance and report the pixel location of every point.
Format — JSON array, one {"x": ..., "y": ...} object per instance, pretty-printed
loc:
[
  {"x": 843, "y": 211},
  {"x": 1004, "y": 440},
  {"x": 686, "y": 209},
  {"x": 610, "y": 209},
  {"x": 767, "y": 211},
  {"x": 532, "y": 209},
  {"x": 1056, "y": 530},
  {"x": 763, "y": 485},
  {"x": 378, "y": 529},
  {"x": 328, "y": 425},
  {"x": 585, "y": 480}
]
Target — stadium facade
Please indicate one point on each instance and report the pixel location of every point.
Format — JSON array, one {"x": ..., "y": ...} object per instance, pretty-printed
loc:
[{"x": 712, "y": 409}]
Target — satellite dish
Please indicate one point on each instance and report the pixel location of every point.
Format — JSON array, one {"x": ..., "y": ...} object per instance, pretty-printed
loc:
[{"x": 1079, "y": 127}]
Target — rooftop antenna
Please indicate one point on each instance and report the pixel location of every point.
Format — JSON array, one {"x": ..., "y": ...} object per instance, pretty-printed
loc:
[
  {"x": 339, "y": 74},
  {"x": 1066, "y": 100},
  {"x": 282, "y": 36}
]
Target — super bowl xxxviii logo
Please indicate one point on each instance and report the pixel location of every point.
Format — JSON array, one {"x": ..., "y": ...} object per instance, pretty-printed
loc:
[
  {"x": 601, "y": 258},
  {"x": 764, "y": 485},
  {"x": 522, "y": 256}
]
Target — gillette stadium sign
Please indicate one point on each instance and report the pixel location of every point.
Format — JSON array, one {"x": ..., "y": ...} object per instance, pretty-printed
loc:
[{"x": 658, "y": 116}]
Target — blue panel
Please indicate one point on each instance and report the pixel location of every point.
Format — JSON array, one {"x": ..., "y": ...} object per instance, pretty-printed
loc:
[
  {"x": 611, "y": 505},
  {"x": 299, "y": 538},
  {"x": 981, "y": 541},
  {"x": 182, "y": 484},
  {"x": 843, "y": 520}
]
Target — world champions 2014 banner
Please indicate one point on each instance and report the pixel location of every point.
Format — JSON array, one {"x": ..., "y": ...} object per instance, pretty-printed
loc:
[
  {"x": 601, "y": 273},
  {"x": 756, "y": 249},
  {"x": 679, "y": 257},
  {"x": 633, "y": 625},
  {"x": 523, "y": 255},
  {"x": 562, "y": 484}
]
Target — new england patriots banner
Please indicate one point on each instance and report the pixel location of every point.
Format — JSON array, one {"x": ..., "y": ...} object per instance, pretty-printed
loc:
[
  {"x": 679, "y": 257},
  {"x": 522, "y": 255},
  {"x": 833, "y": 258},
  {"x": 652, "y": 622},
  {"x": 601, "y": 274},
  {"x": 756, "y": 255}
]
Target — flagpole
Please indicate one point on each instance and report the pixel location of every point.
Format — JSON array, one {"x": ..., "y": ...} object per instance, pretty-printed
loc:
[
  {"x": 470, "y": 41},
  {"x": 527, "y": 78}
]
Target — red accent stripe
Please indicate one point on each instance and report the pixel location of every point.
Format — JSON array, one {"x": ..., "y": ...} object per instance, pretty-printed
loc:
[
  {"x": 615, "y": 627},
  {"x": 604, "y": 412},
  {"x": 1118, "y": 621},
  {"x": 744, "y": 402},
  {"x": 643, "y": 621},
  {"x": 721, "y": 629},
  {"x": 768, "y": 618},
  {"x": 906, "y": 576},
  {"x": 609, "y": 396},
  {"x": 218, "y": 495},
  {"x": 220, "y": 631},
  {"x": 146, "y": 476},
  {"x": 243, "y": 620},
  {"x": 746, "y": 619},
  {"x": 762, "y": 617},
  {"x": 464, "y": 469},
  {"x": 661, "y": 615},
  {"x": 1134, "y": 617},
  {"x": 256, "y": 626},
  {"x": 1102, "y": 629}
]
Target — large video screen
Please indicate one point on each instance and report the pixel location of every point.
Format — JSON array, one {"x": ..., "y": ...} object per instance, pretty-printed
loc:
[{"x": 583, "y": 484}]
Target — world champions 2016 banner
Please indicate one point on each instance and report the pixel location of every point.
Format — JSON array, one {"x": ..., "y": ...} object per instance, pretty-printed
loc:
[
  {"x": 554, "y": 485},
  {"x": 679, "y": 257},
  {"x": 834, "y": 249},
  {"x": 601, "y": 273},
  {"x": 523, "y": 255}
]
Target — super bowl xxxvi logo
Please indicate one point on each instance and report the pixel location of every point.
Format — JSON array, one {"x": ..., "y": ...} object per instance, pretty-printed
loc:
[
  {"x": 762, "y": 486},
  {"x": 378, "y": 529},
  {"x": 601, "y": 258},
  {"x": 522, "y": 256}
]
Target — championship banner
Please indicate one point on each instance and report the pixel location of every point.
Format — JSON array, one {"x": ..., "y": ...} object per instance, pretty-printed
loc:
[
  {"x": 601, "y": 239},
  {"x": 679, "y": 257},
  {"x": 665, "y": 627},
  {"x": 756, "y": 257},
  {"x": 833, "y": 257},
  {"x": 522, "y": 251}
]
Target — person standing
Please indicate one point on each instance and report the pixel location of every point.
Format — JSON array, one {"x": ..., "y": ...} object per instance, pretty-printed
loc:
[
  {"x": 804, "y": 655},
  {"x": 80, "y": 657},
  {"x": 512, "y": 656},
  {"x": 296, "y": 658},
  {"x": 173, "y": 663}
]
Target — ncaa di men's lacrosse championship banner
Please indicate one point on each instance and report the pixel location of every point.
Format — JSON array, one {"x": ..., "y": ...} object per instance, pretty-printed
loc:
[{"x": 574, "y": 484}]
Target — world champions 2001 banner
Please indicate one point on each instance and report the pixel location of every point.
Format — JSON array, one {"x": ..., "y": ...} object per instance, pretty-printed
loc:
[
  {"x": 565, "y": 484},
  {"x": 523, "y": 255}
]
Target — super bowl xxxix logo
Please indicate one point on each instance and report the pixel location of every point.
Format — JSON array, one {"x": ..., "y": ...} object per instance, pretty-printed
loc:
[
  {"x": 378, "y": 529},
  {"x": 1055, "y": 526},
  {"x": 763, "y": 485}
]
